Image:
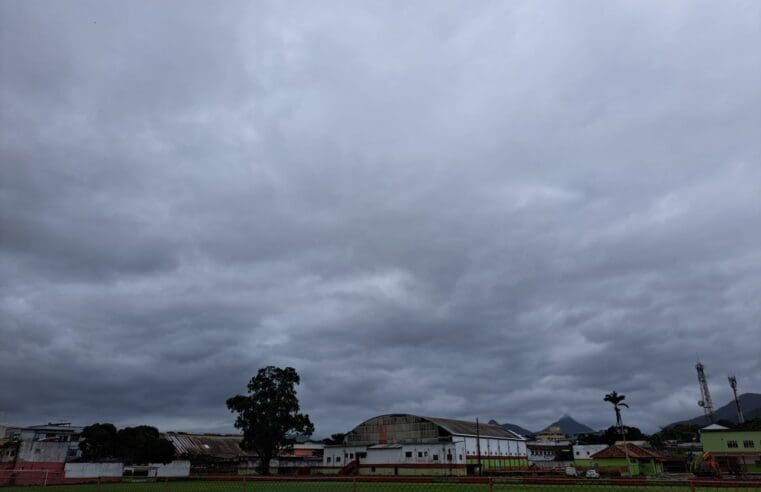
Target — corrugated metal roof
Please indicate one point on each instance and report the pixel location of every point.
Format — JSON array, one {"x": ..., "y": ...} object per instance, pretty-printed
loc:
[
  {"x": 617, "y": 451},
  {"x": 218, "y": 446},
  {"x": 466, "y": 428},
  {"x": 715, "y": 427},
  {"x": 55, "y": 428},
  {"x": 385, "y": 446}
]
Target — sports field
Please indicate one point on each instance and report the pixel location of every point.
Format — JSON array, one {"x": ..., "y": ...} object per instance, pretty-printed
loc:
[{"x": 326, "y": 486}]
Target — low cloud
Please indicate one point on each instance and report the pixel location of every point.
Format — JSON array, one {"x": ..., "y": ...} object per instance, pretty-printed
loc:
[{"x": 472, "y": 210}]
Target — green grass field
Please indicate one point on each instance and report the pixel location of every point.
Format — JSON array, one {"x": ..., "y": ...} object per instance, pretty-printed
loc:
[{"x": 316, "y": 486}]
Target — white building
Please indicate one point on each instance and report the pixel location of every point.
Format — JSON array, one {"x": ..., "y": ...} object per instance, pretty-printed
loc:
[
  {"x": 403, "y": 444},
  {"x": 584, "y": 452}
]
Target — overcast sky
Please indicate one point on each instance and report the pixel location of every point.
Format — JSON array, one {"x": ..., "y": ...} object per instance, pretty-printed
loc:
[{"x": 461, "y": 209}]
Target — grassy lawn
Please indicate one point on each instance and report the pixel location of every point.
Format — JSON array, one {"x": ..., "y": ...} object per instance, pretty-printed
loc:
[
  {"x": 198, "y": 486},
  {"x": 328, "y": 486}
]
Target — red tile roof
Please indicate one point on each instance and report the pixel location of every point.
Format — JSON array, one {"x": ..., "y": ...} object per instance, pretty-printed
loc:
[{"x": 617, "y": 451}]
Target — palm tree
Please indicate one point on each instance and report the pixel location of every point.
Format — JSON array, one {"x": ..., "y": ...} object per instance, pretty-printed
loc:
[{"x": 616, "y": 400}]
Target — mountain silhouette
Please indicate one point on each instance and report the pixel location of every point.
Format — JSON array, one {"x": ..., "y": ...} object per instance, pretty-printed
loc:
[
  {"x": 751, "y": 405},
  {"x": 513, "y": 428},
  {"x": 569, "y": 426}
]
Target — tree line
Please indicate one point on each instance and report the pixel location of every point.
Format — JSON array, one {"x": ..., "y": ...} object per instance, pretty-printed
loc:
[{"x": 132, "y": 445}]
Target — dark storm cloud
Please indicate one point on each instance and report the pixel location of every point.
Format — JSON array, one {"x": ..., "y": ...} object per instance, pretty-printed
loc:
[{"x": 461, "y": 209}]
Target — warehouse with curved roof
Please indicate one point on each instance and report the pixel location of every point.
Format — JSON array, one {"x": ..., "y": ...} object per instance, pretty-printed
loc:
[{"x": 406, "y": 444}]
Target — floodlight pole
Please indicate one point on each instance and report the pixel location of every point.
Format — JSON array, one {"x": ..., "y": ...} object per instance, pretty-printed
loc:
[{"x": 478, "y": 446}]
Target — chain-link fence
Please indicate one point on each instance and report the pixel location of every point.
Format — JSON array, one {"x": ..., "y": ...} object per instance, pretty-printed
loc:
[{"x": 376, "y": 484}]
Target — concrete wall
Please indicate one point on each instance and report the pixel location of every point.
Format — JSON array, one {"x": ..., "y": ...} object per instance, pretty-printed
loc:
[
  {"x": 44, "y": 451},
  {"x": 413, "y": 470},
  {"x": 177, "y": 468},
  {"x": 93, "y": 470}
]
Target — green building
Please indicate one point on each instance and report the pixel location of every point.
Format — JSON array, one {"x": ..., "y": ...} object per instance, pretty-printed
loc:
[
  {"x": 641, "y": 461},
  {"x": 582, "y": 455},
  {"x": 734, "y": 451}
]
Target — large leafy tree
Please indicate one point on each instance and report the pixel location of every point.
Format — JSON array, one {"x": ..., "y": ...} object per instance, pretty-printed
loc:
[
  {"x": 611, "y": 435},
  {"x": 269, "y": 413},
  {"x": 99, "y": 442},
  {"x": 337, "y": 438},
  {"x": 143, "y": 444}
]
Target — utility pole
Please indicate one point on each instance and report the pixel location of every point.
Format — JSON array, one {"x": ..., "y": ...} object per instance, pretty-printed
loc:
[
  {"x": 478, "y": 445},
  {"x": 733, "y": 384}
]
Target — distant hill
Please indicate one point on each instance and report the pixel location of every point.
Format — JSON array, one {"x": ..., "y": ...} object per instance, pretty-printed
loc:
[
  {"x": 513, "y": 428},
  {"x": 751, "y": 405},
  {"x": 569, "y": 426}
]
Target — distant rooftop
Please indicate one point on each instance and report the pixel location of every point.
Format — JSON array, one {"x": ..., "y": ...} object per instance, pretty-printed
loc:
[{"x": 714, "y": 427}]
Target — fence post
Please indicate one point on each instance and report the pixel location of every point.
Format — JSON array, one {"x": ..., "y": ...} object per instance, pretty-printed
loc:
[
  {"x": 354, "y": 484},
  {"x": 491, "y": 484},
  {"x": 166, "y": 483}
]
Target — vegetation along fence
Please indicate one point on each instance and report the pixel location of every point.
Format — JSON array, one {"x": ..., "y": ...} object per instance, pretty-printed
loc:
[{"x": 378, "y": 484}]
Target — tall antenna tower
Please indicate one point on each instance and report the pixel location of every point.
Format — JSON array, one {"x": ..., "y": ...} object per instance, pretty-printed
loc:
[
  {"x": 733, "y": 384},
  {"x": 705, "y": 395}
]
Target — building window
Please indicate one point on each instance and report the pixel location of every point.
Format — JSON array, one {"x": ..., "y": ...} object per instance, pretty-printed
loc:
[
  {"x": 338, "y": 459},
  {"x": 408, "y": 454},
  {"x": 460, "y": 457},
  {"x": 328, "y": 459},
  {"x": 435, "y": 457},
  {"x": 419, "y": 454},
  {"x": 749, "y": 444},
  {"x": 449, "y": 457},
  {"x": 426, "y": 453},
  {"x": 731, "y": 444},
  {"x": 351, "y": 456}
]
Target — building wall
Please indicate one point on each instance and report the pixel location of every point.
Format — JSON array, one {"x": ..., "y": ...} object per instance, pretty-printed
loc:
[
  {"x": 46, "y": 451},
  {"x": 650, "y": 468},
  {"x": 582, "y": 454},
  {"x": 32, "y": 473},
  {"x": 428, "y": 454},
  {"x": 177, "y": 468},
  {"x": 718, "y": 441},
  {"x": 491, "y": 446},
  {"x": 646, "y": 467},
  {"x": 617, "y": 464},
  {"x": 747, "y": 452},
  {"x": 413, "y": 470},
  {"x": 93, "y": 470},
  {"x": 585, "y": 451},
  {"x": 496, "y": 454},
  {"x": 583, "y": 463},
  {"x": 340, "y": 456}
]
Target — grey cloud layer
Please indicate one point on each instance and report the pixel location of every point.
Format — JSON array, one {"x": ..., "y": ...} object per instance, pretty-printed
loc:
[{"x": 461, "y": 209}]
